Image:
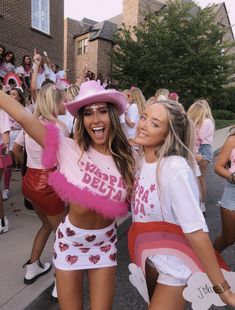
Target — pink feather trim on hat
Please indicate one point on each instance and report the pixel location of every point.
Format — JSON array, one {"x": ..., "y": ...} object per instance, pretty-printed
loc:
[{"x": 69, "y": 192}]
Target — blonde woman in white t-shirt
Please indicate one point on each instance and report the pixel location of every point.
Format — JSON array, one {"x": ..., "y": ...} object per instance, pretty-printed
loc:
[
  {"x": 166, "y": 191},
  {"x": 135, "y": 108}
]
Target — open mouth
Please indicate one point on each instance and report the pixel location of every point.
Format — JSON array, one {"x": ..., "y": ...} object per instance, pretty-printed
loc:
[
  {"x": 98, "y": 131},
  {"x": 142, "y": 134}
]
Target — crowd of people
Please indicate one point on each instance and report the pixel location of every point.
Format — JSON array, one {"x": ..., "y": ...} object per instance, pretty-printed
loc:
[{"x": 123, "y": 152}]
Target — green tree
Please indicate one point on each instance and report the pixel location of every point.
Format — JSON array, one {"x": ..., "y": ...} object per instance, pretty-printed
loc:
[{"x": 181, "y": 48}]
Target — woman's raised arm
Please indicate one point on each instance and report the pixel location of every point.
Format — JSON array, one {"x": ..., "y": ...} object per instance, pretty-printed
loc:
[{"x": 30, "y": 124}]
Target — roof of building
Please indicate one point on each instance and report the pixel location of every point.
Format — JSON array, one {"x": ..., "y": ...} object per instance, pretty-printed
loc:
[
  {"x": 88, "y": 21},
  {"x": 116, "y": 20},
  {"x": 104, "y": 30}
]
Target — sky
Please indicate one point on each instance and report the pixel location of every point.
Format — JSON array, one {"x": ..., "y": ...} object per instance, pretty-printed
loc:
[{"x": 100, "y": 10}]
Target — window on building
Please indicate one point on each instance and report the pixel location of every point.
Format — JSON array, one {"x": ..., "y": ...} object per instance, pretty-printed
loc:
[
  {"x": 40, "y": 15},
  {"x": 82, "y": 46}
]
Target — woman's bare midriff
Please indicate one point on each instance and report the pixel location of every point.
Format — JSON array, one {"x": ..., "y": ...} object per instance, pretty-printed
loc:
[{"x": 86, "y": 219}]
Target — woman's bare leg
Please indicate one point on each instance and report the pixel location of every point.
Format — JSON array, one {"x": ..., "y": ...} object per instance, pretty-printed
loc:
[
  {"x": 167, "y": 297},
  {"x": 227, "y": 236},
  {"x": 41, "y": 237},
  {"x": 70, "y": 289},
  {"x": 102, "y": 287}
]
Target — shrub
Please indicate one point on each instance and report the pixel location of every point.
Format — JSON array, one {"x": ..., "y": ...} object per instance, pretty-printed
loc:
[{"x": 223, "y": 114}]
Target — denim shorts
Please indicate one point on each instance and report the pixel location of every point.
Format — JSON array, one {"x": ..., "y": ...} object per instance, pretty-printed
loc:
[
  {"x": 228, "y": 197},
  {"x": 206, "y": 151}
]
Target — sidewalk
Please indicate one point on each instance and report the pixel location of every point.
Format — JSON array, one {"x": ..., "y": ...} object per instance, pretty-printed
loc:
[
  {"x": 219, "y": 138},
  {"x": 16, "y": 246}
]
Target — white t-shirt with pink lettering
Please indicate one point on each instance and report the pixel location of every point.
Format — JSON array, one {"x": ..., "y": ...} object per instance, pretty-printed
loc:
[
  {"x": 4, "y": 124},
  {"x": 175, "y": 201},
  {"x": 94, "y": 171}
]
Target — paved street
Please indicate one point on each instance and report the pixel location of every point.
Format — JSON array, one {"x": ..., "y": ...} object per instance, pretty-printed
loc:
[{"x": 127, "y": 298}]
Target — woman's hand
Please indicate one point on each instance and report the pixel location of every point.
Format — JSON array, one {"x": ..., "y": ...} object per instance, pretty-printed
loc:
[
  {"x": 198, "y": 157},
  {"x": 37, "y": 58},
  {"x": 228, "y": 297}
]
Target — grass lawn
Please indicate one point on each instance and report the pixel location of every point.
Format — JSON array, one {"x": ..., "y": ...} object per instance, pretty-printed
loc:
[{"x": 221, "y": 123}]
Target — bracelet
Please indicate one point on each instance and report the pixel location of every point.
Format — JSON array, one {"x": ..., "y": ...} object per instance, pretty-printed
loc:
[
  {"x": 231, "y": 178},
  {"x": 220, "y": 288}
]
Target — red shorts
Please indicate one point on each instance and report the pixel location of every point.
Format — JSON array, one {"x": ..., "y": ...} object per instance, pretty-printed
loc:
[{"x": 36, "y": 189}]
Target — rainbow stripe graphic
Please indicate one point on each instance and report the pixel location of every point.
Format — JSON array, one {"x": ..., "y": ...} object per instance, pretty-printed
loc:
[
  {"x": 145, "y": 239},
  {"x": 12, "y": 76}
]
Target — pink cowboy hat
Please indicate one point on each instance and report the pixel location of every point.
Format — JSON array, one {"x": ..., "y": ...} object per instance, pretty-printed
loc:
[{"x": 92, "y": 92}]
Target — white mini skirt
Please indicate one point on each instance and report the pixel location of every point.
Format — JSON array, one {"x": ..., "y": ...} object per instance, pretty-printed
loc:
[{"x": 80, "y": 249}]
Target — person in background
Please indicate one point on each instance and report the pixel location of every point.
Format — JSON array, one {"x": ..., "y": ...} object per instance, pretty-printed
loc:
[
  {"x": 71, "y": 93},
  {"x": 5, "y": 161},
  {"x": 200, "y": 113},
  {"x": 46, "y": 203},
  {"x": 135, "y": 108},
  {"x": 162, "y": 94},
  {"x": 225, "y": 167},
  {"x": 18, "y": 95},
  {"x": 40, "y": 72},
  {"x": 25, "y": 71},
  {"x": 7, "y": 65}
]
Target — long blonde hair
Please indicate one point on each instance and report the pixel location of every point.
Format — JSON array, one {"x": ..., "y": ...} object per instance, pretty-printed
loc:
[
  {"x": 179, "y": 140},
  {"x": 199, "y": 111},
  {"x": 138, "y": 98},
  {"x": 162, "y": 93},
  {"x": 72, "y": 92},
  {"x": 47, "y": 103},
  {"x": 181, "y": 135}
]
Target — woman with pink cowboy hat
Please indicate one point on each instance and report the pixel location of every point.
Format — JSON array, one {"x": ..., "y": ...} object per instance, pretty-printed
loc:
[{"x": 95, "y": 178}]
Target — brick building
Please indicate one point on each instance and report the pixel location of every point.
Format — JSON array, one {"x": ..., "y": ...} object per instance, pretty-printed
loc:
[
  {"x": 26, "y": 24},
  {"x": 92, "y": 42}
]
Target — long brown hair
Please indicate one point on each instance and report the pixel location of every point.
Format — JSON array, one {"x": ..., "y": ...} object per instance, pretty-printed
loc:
[{"x": 117, "y": 144}]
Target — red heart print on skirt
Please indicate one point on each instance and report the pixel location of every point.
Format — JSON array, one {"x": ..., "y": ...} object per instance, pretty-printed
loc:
[
  {"x": 60, "y": 234},
  {"x": 113, "y": 238},
  {"x": 94, "y": 259},
  {"x": 77, "y": 244},
  {"x": 70, "y": 232},
  {"x": 105, "y": 248},
  {"x": 99, "y": 243},
  {"x": 71, "y": 259},
  {"x": 84, "y": 250},
  {"x": 63, "y": 246},
  {"x": 90, "y": 238},
  {"x": 113, "y": 257},
  {"x": 109, "y": 233}
]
